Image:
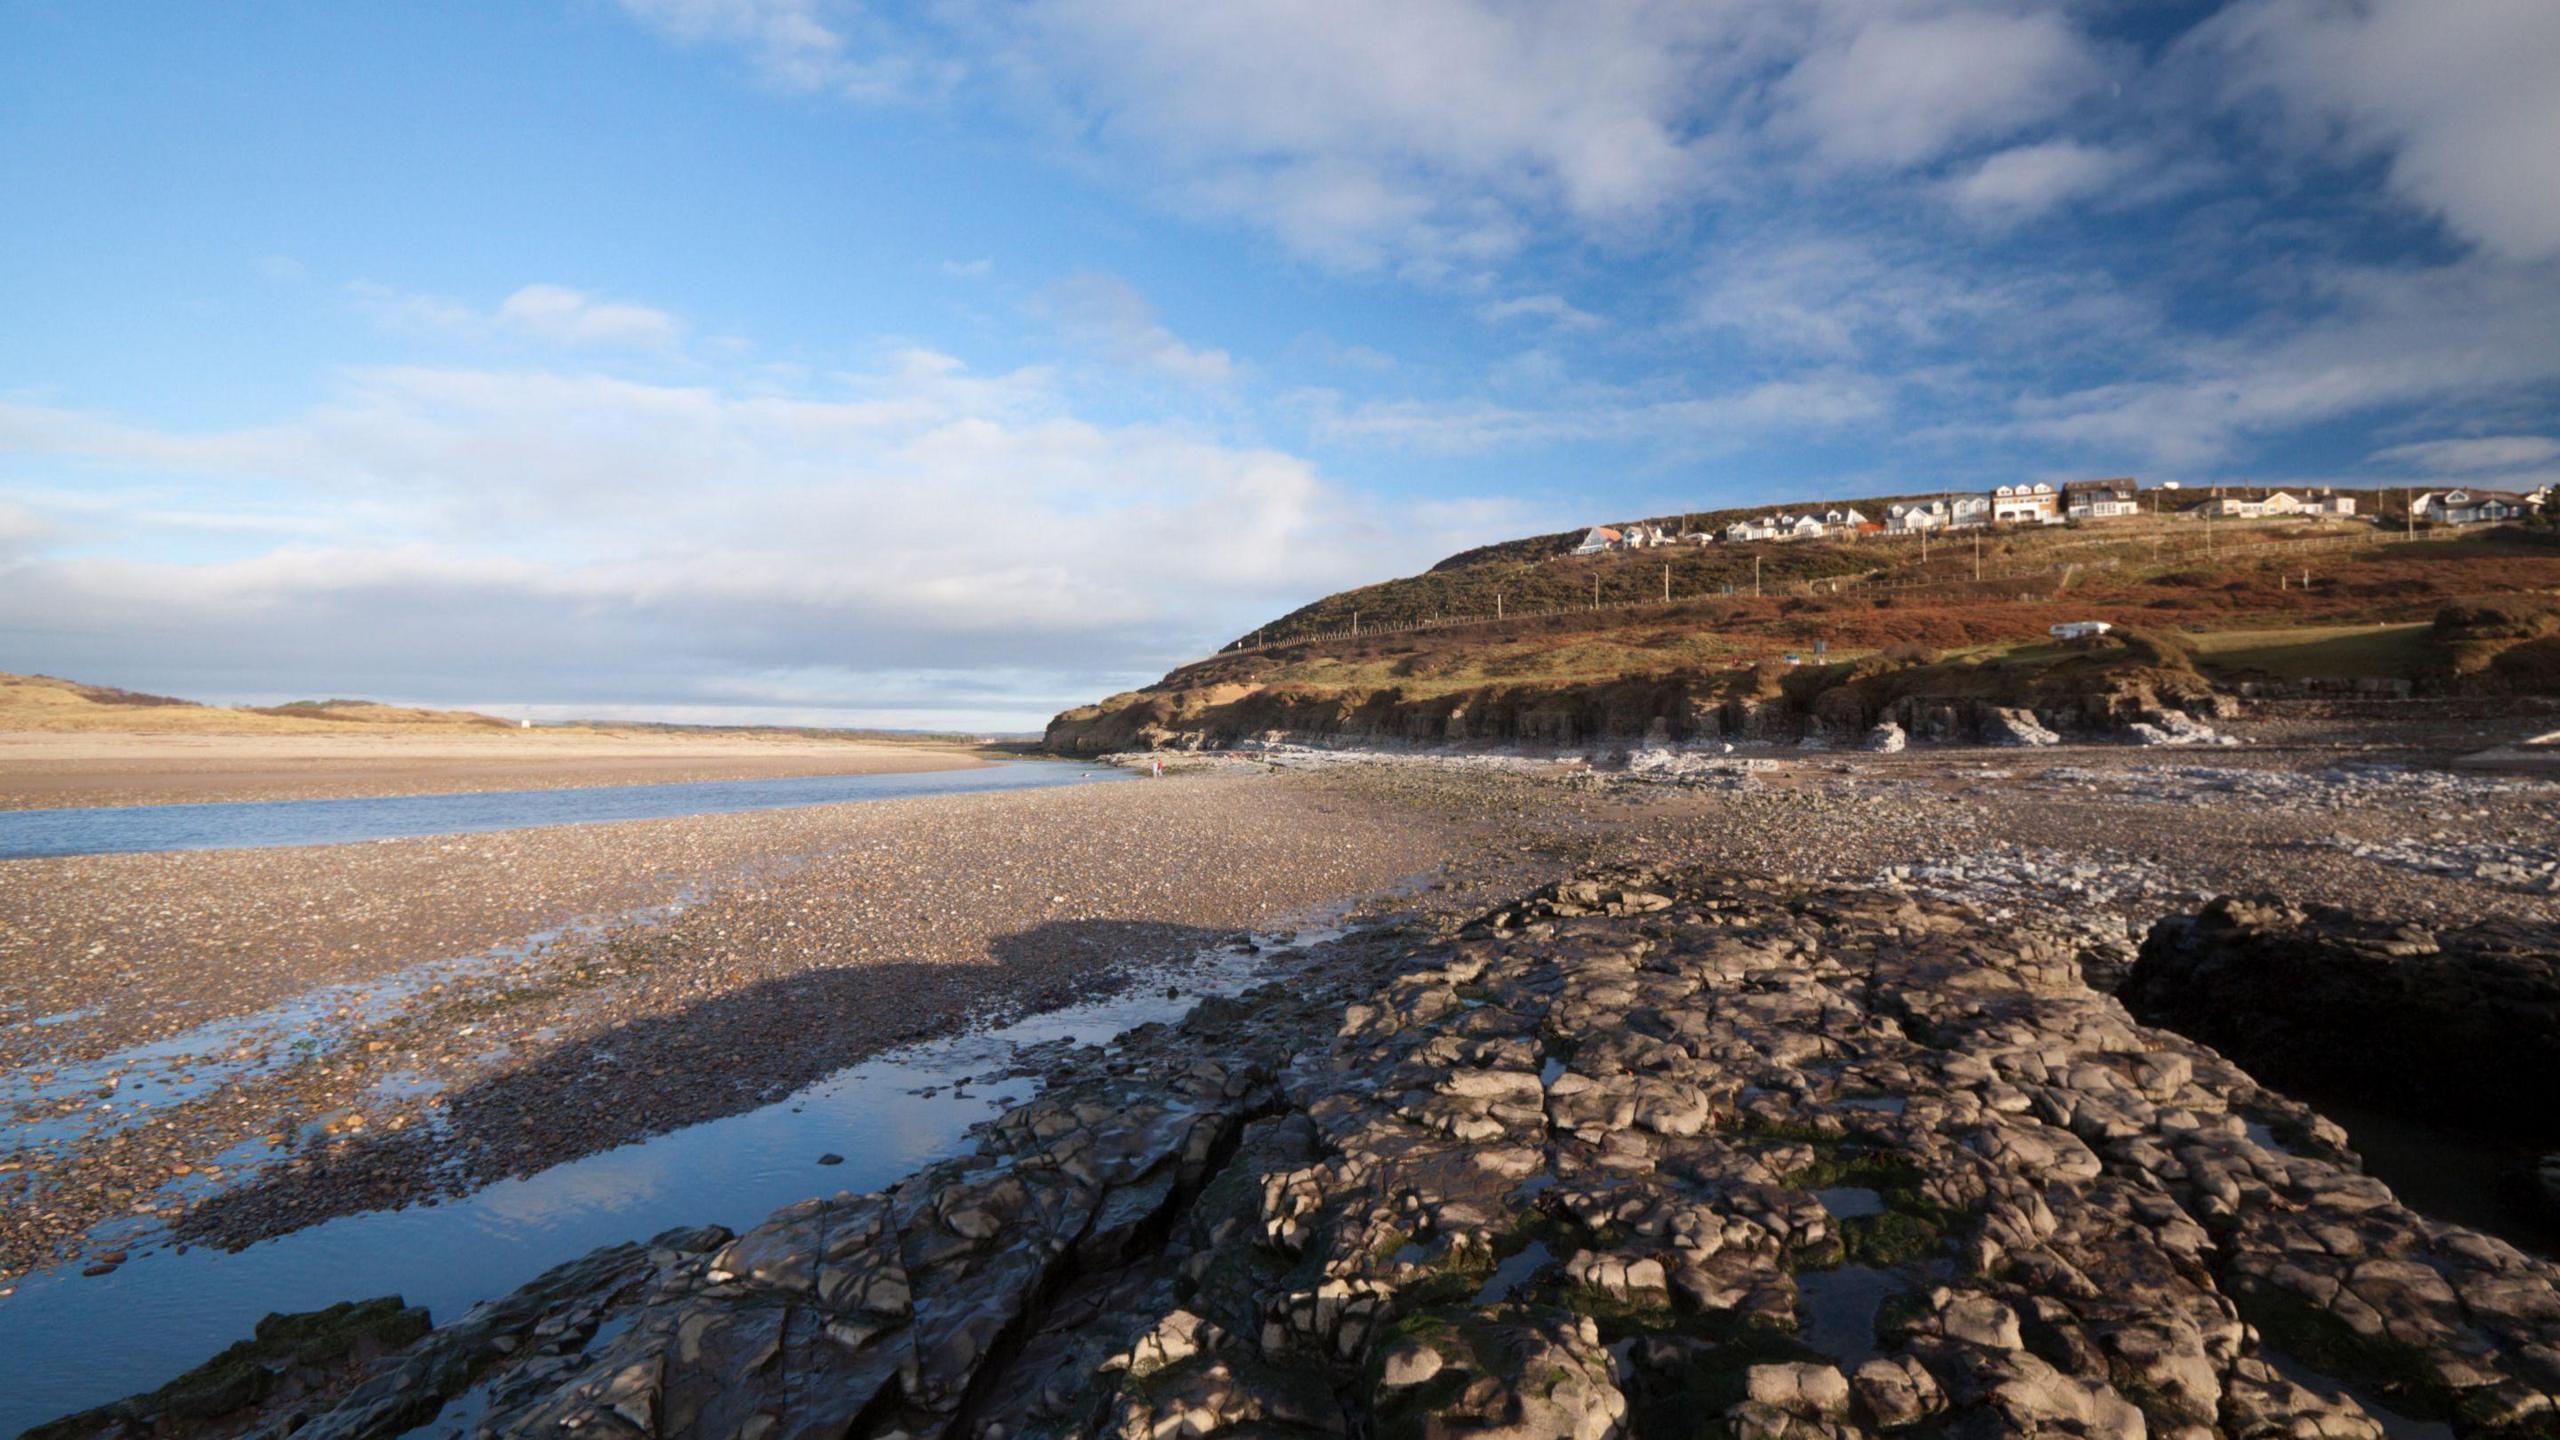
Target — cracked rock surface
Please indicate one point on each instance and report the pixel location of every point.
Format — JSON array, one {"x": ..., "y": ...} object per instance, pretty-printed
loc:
[{"x": 1643, "y": 1155}]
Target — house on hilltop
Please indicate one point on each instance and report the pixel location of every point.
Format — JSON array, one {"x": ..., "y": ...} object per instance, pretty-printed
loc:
[
  {"x": 2471, "y": 507},
  {"x": 1599, "y": 538},
  {"x": 2036, "y": 504},
  {"x": 2102, "y": 499},
  {"x": 1758, "y": 527}
]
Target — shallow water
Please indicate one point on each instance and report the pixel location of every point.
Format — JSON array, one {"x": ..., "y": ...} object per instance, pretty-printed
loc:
[
  {"x": 122, "y": 829},
  {"x": 1839, "y": 1310},
  {"x": 49, "y": 1104},
  {"x": 68, "y": 1342},
  {"x": 1850, "y": 1202},
  {"x": 1512, "y": 1275}
]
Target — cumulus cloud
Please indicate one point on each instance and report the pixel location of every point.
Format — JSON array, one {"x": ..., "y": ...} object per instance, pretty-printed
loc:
[
  {"x": 2457, "y": 99},
  {"x": 1107, "y": 315},
  {"x": 553, "y": 531}
]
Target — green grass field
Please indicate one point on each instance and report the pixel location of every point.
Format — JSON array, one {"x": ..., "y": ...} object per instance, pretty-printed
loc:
[{"x": 2320, "y": 652}]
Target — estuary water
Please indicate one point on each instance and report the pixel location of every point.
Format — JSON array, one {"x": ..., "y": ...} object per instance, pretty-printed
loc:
[{"x": 123, "y": 829}]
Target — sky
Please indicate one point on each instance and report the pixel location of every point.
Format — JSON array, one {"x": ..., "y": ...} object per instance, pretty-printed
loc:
[{"x": 943, "y": 365}]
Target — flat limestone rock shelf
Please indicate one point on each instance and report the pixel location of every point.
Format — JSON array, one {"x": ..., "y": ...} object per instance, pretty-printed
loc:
[{"x": 1622, "y": 1099}]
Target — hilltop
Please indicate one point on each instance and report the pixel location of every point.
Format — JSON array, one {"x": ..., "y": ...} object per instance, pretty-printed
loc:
[
  {"x": 49, "y": 703},
  {"x": 1528, "y": 642}
]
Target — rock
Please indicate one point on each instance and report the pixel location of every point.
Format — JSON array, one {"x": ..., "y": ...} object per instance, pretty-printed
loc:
[
  {"x": 831, "y": 1158},
  {"x": 1403, "y": 1193},
  {"x": 1408, "y": 1365},
  {"x": 1886, "y": 739},
  {"x": 2004, "y": 725}
]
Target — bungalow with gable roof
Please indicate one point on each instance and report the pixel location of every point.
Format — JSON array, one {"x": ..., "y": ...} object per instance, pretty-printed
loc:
[
  {"x": 1758, "y": 527},
  {"x": 2471, "y": 507},
  {"x": 1910, "y": 517},
  {"x": 1599, "y": 538}
]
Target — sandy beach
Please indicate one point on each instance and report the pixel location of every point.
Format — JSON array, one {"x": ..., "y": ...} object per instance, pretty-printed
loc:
[{"x": 47, "y": 768}]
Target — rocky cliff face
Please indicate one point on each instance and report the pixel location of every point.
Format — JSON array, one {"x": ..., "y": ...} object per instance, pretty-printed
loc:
[
  {"x": 1636, "y": 1157},
  {"x": 2111, "y": 688}
]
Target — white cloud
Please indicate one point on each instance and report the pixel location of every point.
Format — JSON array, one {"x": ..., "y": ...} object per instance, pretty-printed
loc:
[
  {"x": 2471, "y": 456},
  {"x": 2029, "y": 180},
  {"x": 1106, "y": 314},
  {"x": 1715, "y": 422},
  {"x": 2457, "y": 95},
  {"x": 806, "y": 46},
  {"x": 548, "y": 314},
  {"x": 541, "y": 530},
  {"x": 1553, "y": 309},
  {"x": 2466, "y": 338},
  {"x": 1904, "y": 89},
  {"x": 568, "y": 317},
  {"x": 977, "y": 269}
]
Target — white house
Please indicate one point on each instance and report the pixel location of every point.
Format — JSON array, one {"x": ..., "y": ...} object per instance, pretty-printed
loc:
[
  {"x": 1845, "y": 521},
  {"x": 2101, "y": 499},
  {"x": 1760, "y": 527},
  {"x": 2329, "y": 504},
  {"x": 2470, "y": 507},
  {"x": 1910, "y": 517},
  {"x": 2078, "y": 629},
  {"x": 1800, "y": 527},
  {"x": 2035, "y": 504},
  {"x": 1599, "y": 538}
]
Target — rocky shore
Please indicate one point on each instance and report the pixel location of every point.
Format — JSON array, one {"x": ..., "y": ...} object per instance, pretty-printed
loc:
[{"x": 1646, "y": 1154}]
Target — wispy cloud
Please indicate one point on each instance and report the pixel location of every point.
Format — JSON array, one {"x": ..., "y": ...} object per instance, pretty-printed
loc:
[
  {"x": 1107, "y": 315},
  {"x": 2471, "y": 456},
  {"x": 548, "y": 314}
]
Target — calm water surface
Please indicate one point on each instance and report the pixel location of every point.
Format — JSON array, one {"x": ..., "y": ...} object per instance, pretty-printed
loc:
[{"x": 105, "y": 830}]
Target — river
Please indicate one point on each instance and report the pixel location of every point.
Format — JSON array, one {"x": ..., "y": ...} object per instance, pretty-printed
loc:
[{"x": 124, "y": 829}]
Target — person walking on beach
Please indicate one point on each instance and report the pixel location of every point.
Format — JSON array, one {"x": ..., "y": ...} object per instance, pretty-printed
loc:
[{"x": 1155, "y": 768}]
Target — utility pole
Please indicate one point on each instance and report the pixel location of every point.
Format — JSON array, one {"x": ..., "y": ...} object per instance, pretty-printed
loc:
[
  {"x": 1666, "y": 584},
  {"x": 1595, "y": 591},
  {"x": 1355, "y": 622},
  {"x": 1497, "y": 604},
  {"x": 1755, "y": 576},
  {"x": 1977, "y": 557}
]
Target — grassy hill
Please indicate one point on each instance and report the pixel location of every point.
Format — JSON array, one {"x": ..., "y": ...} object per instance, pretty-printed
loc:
[
  {"x": 44, "y": 702},
  {"x": 2237, "y": 604}
]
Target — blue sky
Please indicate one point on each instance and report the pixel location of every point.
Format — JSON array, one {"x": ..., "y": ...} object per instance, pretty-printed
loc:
[{"x": 948, "y": 364}]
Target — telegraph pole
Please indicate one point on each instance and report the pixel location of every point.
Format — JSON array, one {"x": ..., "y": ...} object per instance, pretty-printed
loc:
[
  {"x": 1755, "y": 575},
  {"x": 1666, "y": 584},
  {"x": 1977, "y": 557}
]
